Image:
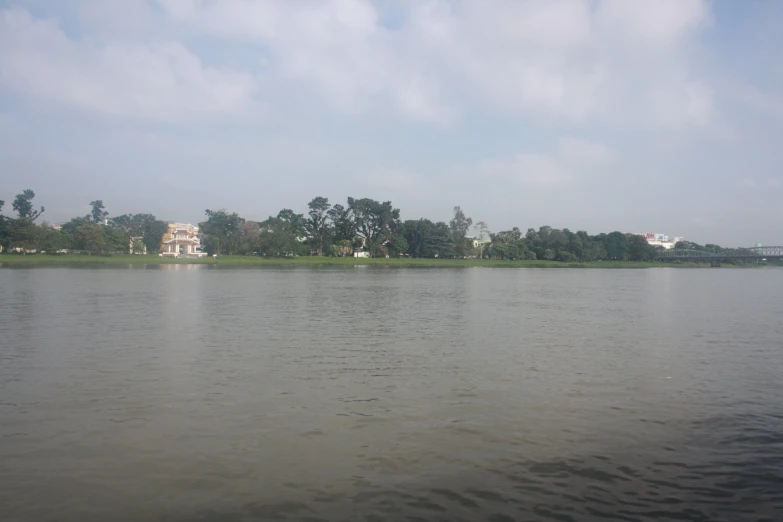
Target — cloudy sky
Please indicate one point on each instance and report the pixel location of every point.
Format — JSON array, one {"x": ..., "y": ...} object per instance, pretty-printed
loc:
[{"x": 650, "y": 116}]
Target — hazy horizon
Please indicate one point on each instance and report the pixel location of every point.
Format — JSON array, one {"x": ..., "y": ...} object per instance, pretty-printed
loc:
[{"x": 609, "y": 115}]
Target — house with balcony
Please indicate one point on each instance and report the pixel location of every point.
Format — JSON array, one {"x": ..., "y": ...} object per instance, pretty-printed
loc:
[{"x": 181, "y": 240}]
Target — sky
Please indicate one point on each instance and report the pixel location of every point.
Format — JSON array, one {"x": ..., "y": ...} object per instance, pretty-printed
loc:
[{"x": 595, "y": 115}]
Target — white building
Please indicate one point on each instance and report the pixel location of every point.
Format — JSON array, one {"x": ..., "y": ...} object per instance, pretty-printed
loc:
[
  {"x": 181, "y": 240},
  {"x": 661, "y": 240}
]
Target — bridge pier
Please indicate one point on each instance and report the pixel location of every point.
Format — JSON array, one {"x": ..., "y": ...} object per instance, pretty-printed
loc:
[{"x": 715, "y": 263}]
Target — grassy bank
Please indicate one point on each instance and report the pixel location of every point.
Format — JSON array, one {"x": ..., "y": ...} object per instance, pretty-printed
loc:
[{"x": 242, "y": 261}]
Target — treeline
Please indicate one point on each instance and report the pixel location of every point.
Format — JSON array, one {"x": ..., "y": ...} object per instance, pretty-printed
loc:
[
  {"x": 364, "y": 225},
  {"x": 376, "y": 228},
  {"x": 94, "y": 233}
]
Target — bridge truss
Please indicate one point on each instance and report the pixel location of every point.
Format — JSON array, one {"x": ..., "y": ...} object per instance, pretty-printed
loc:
[{"x": 752, "y": 253}]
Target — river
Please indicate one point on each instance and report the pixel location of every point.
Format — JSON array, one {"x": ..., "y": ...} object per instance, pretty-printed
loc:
[{"x": 190, "y": 393}]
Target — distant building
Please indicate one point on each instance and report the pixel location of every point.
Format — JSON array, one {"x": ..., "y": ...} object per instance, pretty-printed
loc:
[
  {"x": 181, "y": 240},
  {"x": 478, "y": 241},
  {"x": 660, "y": 240}
]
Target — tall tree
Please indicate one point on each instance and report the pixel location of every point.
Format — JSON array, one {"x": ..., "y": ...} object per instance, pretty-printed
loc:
[
  {"x": 2, "y": 225},
  {"x": 23, "y": 205},
  {"x": 23, "y": 233},
  {"x": 483, "y": 231},
  {"x": 152, "y": 236},
  {"x": 640, "y": 250},
  {"x": 376, "y": 222},
  {"x": 98, "y": 212},
  {"x": 343, "y": 223},
  {"x": 427, "y": 239},
  {"x": 459, "y": 225},
  {"x": 317, "y": 224},
  {"x": 616, "y": 246},
  {"x": 221, "y": 231},
  {"x": 90, "y": 237},
  {"x": 280, "y": 238},
  {"x": 144, "y": 226},
  {"x": 297, "y": 222}
]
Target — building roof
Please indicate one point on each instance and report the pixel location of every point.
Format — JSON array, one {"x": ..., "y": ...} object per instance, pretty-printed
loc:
[{"x": 182, "y": 241}]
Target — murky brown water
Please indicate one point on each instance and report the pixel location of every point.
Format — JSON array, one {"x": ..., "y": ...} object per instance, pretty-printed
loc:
[{"x": 182, "y": 393}]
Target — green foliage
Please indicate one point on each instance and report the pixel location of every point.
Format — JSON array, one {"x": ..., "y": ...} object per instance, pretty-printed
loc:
[
  {"x": 343, "y": 223},
  {"x": 397, "y": 245},
  {"x": 3, "y": 225},
  {"x": 90, "y": 238},
  {"x": 23, "y": 205},
  {"x": 153, "y": 235},
  {"x": 98, "y": 212},
  {"x": 459, "y": 225},
  {"x": 375, "y": 222},
  {"x": 52, "y": 240},
  {"x": 137, "y": 247},
  {"x": 428, "y": 239},
  {"x": 279, "y": 237},
  {"x": 221, "y": 232},
  {"x": 145, "y": 226},
  {"x": 318, "y": 225},
  {"x": 640, "y": 250},
  {"x": 341, "y": 248},
  {"x": 549, "y": 243},
  {"x": 335, "y": 230},
  {"x": 22, "y": 233}
]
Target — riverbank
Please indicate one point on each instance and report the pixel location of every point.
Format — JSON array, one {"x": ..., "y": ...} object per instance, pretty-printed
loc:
[{"x": 239, "y": 261}]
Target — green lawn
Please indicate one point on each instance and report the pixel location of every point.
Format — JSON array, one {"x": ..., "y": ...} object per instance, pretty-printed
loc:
[{"x": 229, "y": 261}]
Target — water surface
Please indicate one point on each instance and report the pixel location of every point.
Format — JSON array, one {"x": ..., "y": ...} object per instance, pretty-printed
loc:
[{"x": 179, "y": 393}]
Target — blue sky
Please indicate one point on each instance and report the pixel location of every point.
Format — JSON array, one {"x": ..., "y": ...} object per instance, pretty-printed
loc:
[{"x": 643, "y": 116}]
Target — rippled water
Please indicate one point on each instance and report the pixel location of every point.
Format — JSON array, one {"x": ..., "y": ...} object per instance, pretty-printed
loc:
[{"x": 181, "y": 393}]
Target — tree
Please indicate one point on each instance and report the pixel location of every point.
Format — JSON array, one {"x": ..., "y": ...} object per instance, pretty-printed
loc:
[
  {"x": 341, "y": 248},
  {"x": 153, "y": 233},
  {"x": 90, "y": 237},
  {"x": 22, "y": 233},
  {"x": 397, "y": 245},
  {"x": 250, "y": 237},
  {"x": 427, "y": 239},
  {"x": 297, "y": 223},
  {"x": 23, "y": 205},
  {"x": 482, "y": 230},
  {"x": 145, "y": 226},
  {"x": 221, "y": 231},
  {"x": 279, "y": 238},
  {"x": 52, "y": 240},
  {"x": 3, "y": 225},
  {"x": 459, "y": 225},
  {"x": 317, "y": 224},
  {"x": 616, "y": 245},
  {"x": 98, "y": 213},
  {"x": 343, "y": 223},
  {"x": 640, "y": 250},
  {"x": 137, "y": 247},
  {"x": 376, "y": 222}
]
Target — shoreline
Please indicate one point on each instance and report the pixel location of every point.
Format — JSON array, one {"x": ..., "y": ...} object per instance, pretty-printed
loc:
[{"x": 16, "y": 260}]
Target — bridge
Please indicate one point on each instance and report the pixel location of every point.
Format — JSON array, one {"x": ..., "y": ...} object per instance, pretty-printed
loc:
[{"x": 756, "y": 253}]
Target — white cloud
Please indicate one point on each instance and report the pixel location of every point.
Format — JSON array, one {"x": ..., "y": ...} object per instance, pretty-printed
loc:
[
  {"x": 572, "y": 60},
  {"x": 658, "y": 25},
  {"x": 160, "y": 81},
  {"x": 747, "y": 183}
]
